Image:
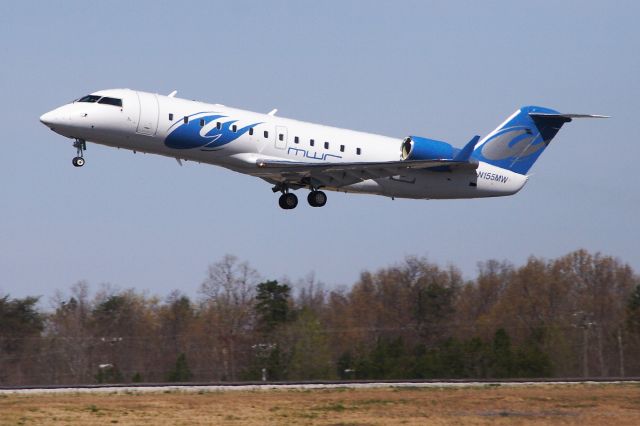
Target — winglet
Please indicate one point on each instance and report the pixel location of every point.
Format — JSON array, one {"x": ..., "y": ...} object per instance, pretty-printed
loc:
[
  {"x": 172, "y": 94},
  {"x": 466, "y": 152}
]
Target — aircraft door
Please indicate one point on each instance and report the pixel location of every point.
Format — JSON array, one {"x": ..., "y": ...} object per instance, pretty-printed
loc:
[
  {"x": 281, "y": 137},
  {"x": 148, "y": 121}
]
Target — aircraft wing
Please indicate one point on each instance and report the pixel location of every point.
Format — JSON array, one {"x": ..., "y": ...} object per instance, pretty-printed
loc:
[{"x": 337, "y": 175}]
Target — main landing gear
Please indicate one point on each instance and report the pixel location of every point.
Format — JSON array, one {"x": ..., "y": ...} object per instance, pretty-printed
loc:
[
  {"x": 317, "y": 198},
  {"x": 289, "y": 200},
  {"x": 80, "y": 145}
]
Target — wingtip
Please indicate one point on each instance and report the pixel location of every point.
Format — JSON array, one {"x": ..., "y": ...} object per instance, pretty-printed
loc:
[{"x": 592, "y": 116}]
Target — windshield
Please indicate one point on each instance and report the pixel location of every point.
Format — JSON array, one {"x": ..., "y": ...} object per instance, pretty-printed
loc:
[
  {"x": 111, "y": 101},
  {"x": 89, "y": 98}
]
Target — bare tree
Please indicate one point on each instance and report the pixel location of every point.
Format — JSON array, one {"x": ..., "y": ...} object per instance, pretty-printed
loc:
[{"x": 228, "y": 298}]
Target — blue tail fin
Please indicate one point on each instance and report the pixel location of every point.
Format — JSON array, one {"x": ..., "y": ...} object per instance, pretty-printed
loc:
[{"x": 518, "y": 142}]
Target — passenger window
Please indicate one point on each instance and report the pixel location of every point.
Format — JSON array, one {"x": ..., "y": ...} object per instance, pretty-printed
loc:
[
  {"x": 281, "y": 137},
  {"x": 358, "y": 151},
  {"x": 341, "y": 148},
  {"x": 311, "y": 142},
  {"x": 202, "y": 122},
  {"x": 218, "y": 125},
  {"x": 251, "y": 131},
  {"x": 266, "y": 134},
  {"x": 326, "y": 145},
  {"x": 296, "y": 140},
  {"x": 111, "y": 101},
  {"x": 186, "y": 120},
  {"x": 234, "y": 128},
  {"x": 170, "y": 117}
]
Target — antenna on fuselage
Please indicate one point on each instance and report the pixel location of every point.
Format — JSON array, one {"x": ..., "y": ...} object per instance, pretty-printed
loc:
[
  {"x": 273, "y": 111},
  {"x": 172, "y": 94}
]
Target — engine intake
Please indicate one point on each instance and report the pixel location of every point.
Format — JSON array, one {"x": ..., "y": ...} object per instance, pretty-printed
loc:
[{"x": 417, "y": 148}]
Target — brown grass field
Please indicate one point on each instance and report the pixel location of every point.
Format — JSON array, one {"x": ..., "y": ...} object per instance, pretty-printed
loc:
[{"x": 583, "y": 404}]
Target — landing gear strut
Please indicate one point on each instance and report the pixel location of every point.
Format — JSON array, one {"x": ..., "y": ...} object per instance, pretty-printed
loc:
[
  {"x": 80, "y": 145},
  {"x": 317, "y": 198}
]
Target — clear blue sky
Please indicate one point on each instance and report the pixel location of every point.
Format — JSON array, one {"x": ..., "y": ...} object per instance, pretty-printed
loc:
[{"x": 445, "y": 70}]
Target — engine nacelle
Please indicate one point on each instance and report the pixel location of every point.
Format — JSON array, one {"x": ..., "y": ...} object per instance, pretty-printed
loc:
[{"x": 417, "y": 148}]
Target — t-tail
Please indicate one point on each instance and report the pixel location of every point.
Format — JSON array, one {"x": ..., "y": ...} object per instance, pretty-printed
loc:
[{"x": 518, "y": 142}]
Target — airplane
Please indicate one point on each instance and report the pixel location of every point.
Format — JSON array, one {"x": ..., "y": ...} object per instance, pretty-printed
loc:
[{"x": 292, "y": 155}]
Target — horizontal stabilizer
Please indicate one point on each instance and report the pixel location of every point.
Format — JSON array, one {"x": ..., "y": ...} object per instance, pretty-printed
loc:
[{"x": 543, "y": 114}]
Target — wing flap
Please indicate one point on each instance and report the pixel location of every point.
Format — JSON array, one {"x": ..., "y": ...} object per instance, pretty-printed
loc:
[
  {"x": 388, "y": 166},
  {"x": 346, "y": 173}
]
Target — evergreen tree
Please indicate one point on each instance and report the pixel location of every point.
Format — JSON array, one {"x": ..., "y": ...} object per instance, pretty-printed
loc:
[
  {"x": 181, "y": 371},
  {"x": 272, "y": 305},
  {"x": 19, "y": 318},
  {"x": 501, "y": 356},
  {"x": 633, "y": 310}
]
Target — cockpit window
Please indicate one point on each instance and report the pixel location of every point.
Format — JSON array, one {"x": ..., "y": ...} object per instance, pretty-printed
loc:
[
  {"x": 89, "y": 98},
  {"x": 111, "y": 101}
]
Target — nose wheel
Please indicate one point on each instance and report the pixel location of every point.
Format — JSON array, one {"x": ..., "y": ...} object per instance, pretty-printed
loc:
[{"x": 80, "y": 145}]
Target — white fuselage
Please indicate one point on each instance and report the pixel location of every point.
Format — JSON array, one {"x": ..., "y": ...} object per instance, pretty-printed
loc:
[{"x": 144, "y": 121}]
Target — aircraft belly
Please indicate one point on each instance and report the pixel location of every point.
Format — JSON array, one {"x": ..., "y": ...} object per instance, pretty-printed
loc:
[{"x": 424, "y": 184}]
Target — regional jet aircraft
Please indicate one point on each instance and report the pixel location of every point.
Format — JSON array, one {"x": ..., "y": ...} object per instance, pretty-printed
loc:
[{"x": 292, "y": 155}]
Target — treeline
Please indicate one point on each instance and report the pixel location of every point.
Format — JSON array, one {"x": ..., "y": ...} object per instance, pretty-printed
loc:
[{"x": 578, "y": 315}]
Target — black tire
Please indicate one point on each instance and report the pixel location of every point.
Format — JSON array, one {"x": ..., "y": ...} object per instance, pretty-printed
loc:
[
  {"x": 317, "y": 198},
  {"x": 77, "y": 161},
  {"x": 311, "y": 199},
  {"x": 288, "y": 201}
]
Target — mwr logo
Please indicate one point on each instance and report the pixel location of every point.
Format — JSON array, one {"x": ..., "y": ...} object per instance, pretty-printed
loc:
[
  {"x": 493, "y": 176},
  {"x": 312, "y": 155}
]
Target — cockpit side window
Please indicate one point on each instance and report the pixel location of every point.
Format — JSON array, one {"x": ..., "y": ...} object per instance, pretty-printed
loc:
[
  {"x": 111, "y": 101},
  {"x": 89, "y": 98}
]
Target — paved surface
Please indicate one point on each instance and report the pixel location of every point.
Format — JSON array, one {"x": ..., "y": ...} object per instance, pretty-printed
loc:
[{"x": 159, "y": 388}]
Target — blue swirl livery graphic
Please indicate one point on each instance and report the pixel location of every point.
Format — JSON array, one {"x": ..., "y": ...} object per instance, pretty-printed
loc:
[
  {"x": 518, "y": 143},
  {"x": 206, "y": 131}
]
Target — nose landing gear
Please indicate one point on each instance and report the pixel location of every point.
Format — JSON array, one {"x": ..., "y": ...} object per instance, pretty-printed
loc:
[{"x": 80, "y": 145}]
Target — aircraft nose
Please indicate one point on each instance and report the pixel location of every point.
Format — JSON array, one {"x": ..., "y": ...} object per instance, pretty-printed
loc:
[{"x": 49, "y": 118}]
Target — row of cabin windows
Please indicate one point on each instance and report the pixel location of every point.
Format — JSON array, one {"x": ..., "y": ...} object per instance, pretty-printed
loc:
[
  {"x": 312, "y": 142},
  {"x": 234, "y": 129}
]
